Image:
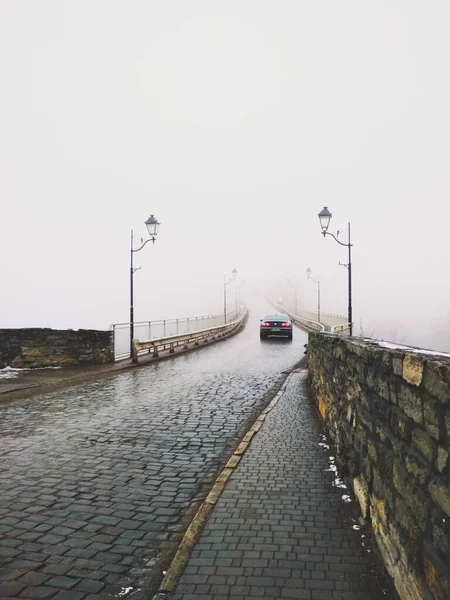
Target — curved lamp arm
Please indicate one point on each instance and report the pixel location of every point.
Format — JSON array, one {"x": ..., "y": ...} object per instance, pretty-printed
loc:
[
  {"x": 152, "y": 239},
  {"x": 335, "y": 238}
]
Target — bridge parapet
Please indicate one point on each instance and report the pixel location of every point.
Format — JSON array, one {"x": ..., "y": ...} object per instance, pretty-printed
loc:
[
  {"x": 163, "y": 328},
  {"x": 194, "y": 338},
  {"x": 308, "y": 320},
  {"x": 387, "y": 410}
]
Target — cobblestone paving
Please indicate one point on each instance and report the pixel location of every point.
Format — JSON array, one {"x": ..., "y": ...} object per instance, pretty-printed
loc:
[
  {"x": 95, "y": 481},
  {"x": 281, "y": 528}
]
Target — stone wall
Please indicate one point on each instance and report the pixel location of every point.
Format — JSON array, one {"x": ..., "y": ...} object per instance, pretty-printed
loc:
[
  {"x": 26, "y": 348},
  {"x": 387, "y": 411}
]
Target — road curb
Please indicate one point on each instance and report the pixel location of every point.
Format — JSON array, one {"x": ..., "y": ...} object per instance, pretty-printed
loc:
[{"x": 193, "y": 532}]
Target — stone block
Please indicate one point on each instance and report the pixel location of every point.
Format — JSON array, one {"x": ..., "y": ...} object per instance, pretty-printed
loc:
[
  {"x": 372, "y": 450},
  {"x": 432, "y": 416},
  {"x": 413, "y": 369},
  {"x": 411, "y": 495},
  {"x": 322, "y": 407},
  {"x": 365, "y": 418},
  {"x": 407, "y": 583},
  {"x": 397, "y": 366},
  {"x": 418, "y": 468},
  {"x": 401, "y": 425},
  {"x": 361, "y": 490},
  {"x": 440, "y": 492},
  {"x": 378, "y": 510},
  {"x": 382, "y": 488},
  {"x": 410, "y": 402},
  {"x": 384, "y": 433},
  {"x": 405, "y": 518},
  {"x": 388, "y": 548},
  {"x": 442, "y": 460},
  {"x": 437, "y": 575},
  {"x": 440, "y": 527},
  {"x": 425, "y": 444},
  {"x": 434, "y": 380}
]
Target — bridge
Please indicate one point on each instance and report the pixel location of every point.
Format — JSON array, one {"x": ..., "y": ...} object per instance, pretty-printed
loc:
[{"x": 228, "y": 471}]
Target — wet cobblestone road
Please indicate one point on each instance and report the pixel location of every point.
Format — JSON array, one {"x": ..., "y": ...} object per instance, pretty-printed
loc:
[
  {"x": 95, "y": 481},
  {"x": 284, "y": 526}
]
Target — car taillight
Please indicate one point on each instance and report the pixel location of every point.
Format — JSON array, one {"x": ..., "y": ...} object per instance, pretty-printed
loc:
[
  {"x": 265, "y": 324},
  {"x": 285, "y": 324}
]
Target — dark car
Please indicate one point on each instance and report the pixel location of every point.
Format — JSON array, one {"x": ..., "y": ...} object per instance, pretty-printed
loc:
[{"x": 276, "y": 325}]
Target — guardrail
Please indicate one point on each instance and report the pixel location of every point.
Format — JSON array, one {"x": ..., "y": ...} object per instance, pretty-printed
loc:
[
  {"x": 162, "y": 328},
  {"x": 340, "y": 328},
  {"x": 306, "y": 324},
  {"x": 314, "y": 325},
  {"x": 155, "y": 346}
]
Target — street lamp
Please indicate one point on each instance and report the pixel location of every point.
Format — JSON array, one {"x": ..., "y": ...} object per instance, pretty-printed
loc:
[
  {"x": 225, "y": 283},
  {"x": 308, "y": 275},
  {"x": 295, "y": 293},
  {"x": 152, "y": 228},
  {"x": 324, "y": 218}
]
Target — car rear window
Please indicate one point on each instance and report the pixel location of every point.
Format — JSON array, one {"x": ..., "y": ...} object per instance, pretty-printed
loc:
[{"x": 276, "y": 318}]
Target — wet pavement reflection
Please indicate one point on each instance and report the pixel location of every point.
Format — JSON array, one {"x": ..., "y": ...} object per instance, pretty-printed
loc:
[{"x": 96, "y": 480}]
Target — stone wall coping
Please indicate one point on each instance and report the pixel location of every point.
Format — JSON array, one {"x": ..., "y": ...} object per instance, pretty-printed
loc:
[{"x": 399, "y": 349}]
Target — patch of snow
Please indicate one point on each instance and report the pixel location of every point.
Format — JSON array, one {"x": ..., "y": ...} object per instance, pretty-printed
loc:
[
  {"x": 346, "y": 498},
  {"x": 356, "y": 527},
  {"x": 393, "y": 346},
  {"x": 339, "y": 484},
  {"x": 124, "y": 591}
]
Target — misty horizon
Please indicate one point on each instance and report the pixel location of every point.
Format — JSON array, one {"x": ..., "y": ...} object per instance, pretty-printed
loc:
[{"x": 234, "y": 124}]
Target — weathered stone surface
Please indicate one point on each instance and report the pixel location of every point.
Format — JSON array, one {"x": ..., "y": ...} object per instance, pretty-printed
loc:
[
  {"x": 410, "y": 402},
  {"x": 434, "y": 380},
  {"x": 394, "y": 437},
  {"x": 322, "y": 407},
  {"x": 417, "y": 466},
  {"x": 400, "y": 425},
  {"x": 397, "y": 365},
  {"x": 41, "y": 347},
  {"x": 440, "y": 492},
  {"x": 437, "y": 576},
  {"x": 361, "y": 490},
  {"x": 411, "y": 496},
  {"x": 425, "y": 444},
  {"x": 441, "y": 535},
  {"x": 442, "y": 459},
  {"x": 432, "y": 416},
  {"x": 413, "y": 369}
]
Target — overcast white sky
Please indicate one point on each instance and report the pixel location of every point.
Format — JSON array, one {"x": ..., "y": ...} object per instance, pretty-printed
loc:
[{"x": 234, "y": 123}]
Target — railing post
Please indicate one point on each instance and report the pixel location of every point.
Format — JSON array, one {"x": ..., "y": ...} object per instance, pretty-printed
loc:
[
  {"x": 177, "y": 326},
  {"x": 164, "y": 328},
  {"x": 114, "y": 340}
]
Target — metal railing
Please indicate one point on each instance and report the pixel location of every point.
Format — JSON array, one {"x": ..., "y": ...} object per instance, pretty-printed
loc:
[
  {"x": 154, "y": 346},
  {"x": 147, "y": 330},
  {"x": 307, "y": 324},
  {"x": 305, "y": 319},
  {"x": 340, "y": 328}
]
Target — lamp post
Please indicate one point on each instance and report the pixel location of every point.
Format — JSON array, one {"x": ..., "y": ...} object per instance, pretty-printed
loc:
[
  {"x": 324, "y": 218},
  {"x": 308, "y": 275},
  {"x": 152, "y": 228},
  {"x": 225, "y": 283},
  {"x": 295, "y": 294}
]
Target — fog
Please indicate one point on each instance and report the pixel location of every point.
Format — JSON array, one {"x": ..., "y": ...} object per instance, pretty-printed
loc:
[{"x": 234, "y": 123}]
